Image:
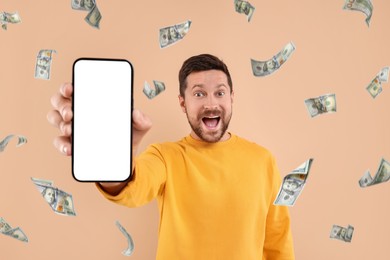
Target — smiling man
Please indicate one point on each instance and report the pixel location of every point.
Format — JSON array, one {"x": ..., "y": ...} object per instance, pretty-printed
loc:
[{"x": 215, "y": 190}]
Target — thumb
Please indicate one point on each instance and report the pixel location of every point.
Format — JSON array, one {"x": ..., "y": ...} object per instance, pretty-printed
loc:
[{"x": 141, "y": 123}]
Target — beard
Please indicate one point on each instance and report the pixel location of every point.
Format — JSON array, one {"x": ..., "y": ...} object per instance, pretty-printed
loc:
[{"x": 210, "y": 136}]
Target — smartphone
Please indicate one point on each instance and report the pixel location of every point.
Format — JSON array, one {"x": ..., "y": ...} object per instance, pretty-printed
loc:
[{"x": 102, "y": 115}]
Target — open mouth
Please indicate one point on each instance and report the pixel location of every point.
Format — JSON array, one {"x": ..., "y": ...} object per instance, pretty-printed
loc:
[{"x": 211, "y": 122}]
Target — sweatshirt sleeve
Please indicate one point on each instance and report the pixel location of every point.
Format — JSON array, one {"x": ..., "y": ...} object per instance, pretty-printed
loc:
[
  {"x": 278, "y": 244},
  {"x": 148, "y": 180}
]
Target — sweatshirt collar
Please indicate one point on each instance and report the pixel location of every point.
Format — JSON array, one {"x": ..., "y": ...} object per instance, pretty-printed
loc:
[{"x": 200, "y": 143}]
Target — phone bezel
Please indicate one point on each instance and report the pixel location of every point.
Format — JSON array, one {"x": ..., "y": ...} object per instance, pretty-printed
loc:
[{"x": 131, "y": 98}]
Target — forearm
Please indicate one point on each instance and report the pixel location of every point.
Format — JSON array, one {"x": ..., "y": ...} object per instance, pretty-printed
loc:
[{"x": 114, "y": 188}]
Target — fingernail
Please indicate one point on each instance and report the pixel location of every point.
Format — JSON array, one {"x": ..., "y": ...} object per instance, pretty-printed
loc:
[
  {"x": 65, "y": 150},
  {"x": 63, "y": 89}
]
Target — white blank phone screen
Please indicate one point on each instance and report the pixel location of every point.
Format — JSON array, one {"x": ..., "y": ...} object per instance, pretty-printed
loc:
[{"x": 102, "y": 106}]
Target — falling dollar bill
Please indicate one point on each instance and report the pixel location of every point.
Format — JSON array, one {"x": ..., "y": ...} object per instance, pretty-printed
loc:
[
  {"x": 172, "y": 34},
  {"x": 383, "y": 74},
  {"x": 293, "y": 184},
  {"x": 59, "y": 201},
  {"x": 263, "y": 68},
  {"x": 94, "y": 16},
  {"x": 130, "y": 244},
  {"x": 342, "y": 233},
  {"x": 382, "y": 175},
  {"x": 375, "y": 86},
  {"x": 17, "y": 233},
  {"x": 43, "y": 64},
  {"x": 150, "y": 92},
  {"x": 364, "y": 6},
  {"x": 322, "y": 104},
  {"x": 21, "y": 140},
  {"x": 6, "y": 18},
  {"x": 244, "y": 7}
]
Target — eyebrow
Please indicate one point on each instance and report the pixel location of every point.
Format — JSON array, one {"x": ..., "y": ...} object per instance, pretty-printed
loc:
[{"x": 202, "y": 85}]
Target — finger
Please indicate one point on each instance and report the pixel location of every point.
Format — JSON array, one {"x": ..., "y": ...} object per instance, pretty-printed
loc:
[
  {"x": 67, "y": 113},
  {"x": 66, "y": 90},
  {"x": 140, "y": 121},
  {"x": 66, "y": 129},
  {"x": 63, "y": 145},
  {"x": 63, "y": 96},
  {"x": 54, "y": 118},
  {"x": 63, "y": 106},
  {"x": 58, "y": 101}
]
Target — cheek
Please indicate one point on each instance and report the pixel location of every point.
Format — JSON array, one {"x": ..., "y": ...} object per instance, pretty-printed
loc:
[
  {"x": 191, "y": 112},
  {"x": 192, "y": 108},
  {"x": 228, "y": 106}
]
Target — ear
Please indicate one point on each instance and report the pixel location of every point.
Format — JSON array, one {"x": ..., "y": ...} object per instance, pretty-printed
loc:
[
  {"x": 232, "y": 96},
  {"x": 182, "y": 103}
]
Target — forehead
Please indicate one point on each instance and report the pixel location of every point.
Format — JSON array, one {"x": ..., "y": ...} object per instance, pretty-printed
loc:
[{"x": 207, "y": 77}]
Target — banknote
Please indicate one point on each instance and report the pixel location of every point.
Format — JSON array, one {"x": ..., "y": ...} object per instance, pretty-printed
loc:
[
  {"x": 383, "y": 74},
  {"x": 42, "y": 181},
  {"x": 21, "y": 140},
  {"x": 342, "y": 233},
  {"x": 322, "y": 104},
  {"x": 83, "y": 5},
  {"x": 382, "y": 175},
  {"x": 153, "y": 92},
  {"x": 4, "y": 226},
  {"x": 60, "y": 201},
  {"x": 130, "y": 244},
  {"x": 364, "y": 6},
  {"x": 263, "y": 68},
  {"x": 94, "y": 16},
  {"x": 43, "y": 64},
  {"x": 293, "y": 184},
  {"x": 375, "y": 86},
  {"x": 244, "y": 7},
  {"x": 172, "y": 34},
  {"x": 6, "y": 18},
  {"x": 6, "y": 229}
]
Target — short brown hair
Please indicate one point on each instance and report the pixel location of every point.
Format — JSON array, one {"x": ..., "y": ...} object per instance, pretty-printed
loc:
[{"x": 201, "y": 62}]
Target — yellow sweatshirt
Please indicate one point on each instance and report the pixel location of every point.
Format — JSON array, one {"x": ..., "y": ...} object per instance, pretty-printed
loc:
[{"x": 215, "y": 200}]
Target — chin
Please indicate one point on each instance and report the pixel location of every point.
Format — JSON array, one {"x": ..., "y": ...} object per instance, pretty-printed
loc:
[{"x": 212, "y": 137}]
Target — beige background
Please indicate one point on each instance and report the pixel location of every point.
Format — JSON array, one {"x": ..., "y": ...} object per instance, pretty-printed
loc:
[{"x": 335, "y": 53}]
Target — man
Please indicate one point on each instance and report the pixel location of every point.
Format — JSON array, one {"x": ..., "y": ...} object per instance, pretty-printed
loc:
[{"x": 215, "y": 190}]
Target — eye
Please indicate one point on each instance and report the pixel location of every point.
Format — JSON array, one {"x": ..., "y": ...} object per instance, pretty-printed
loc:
[
  {"x": 198, "y": 94},
  {"x": 221, "y": 93}
]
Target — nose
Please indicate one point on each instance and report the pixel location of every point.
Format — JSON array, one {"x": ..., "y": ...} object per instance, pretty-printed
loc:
[{"x": 211, "y": 103}]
